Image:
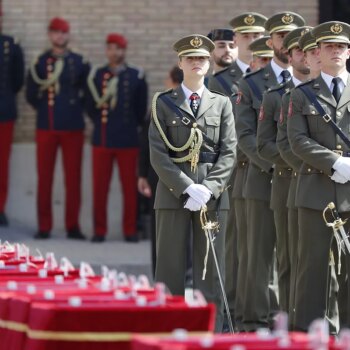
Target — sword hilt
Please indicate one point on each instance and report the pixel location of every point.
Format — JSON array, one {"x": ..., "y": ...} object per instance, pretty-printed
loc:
[{"x": 337, "y": 222}]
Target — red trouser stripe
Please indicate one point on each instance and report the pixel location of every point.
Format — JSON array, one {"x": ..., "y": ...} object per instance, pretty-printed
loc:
[
  {"x": 71, "y": 143},
  {"x": 103, "y": 159},
  {"x": 6, "y": 134}
]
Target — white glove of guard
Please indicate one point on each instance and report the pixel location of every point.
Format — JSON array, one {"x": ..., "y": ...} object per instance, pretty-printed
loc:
[
  {"x": 336, "y": 177},
  {"x": 342, "y": 166},
  {"x": 199, "y": 193},
  {"x": 192, "y": 204}
]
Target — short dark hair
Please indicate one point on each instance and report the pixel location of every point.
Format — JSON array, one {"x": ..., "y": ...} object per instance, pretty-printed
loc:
[{"x": 176, "y": 75}]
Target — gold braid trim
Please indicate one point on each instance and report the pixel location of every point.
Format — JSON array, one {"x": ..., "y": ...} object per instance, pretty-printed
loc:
[
  {"x": 193, "y": 144},
  {"x": 111, "y": 90},
  {"x": 53, "y": 80},
  {"x": 78, "y": 336}
]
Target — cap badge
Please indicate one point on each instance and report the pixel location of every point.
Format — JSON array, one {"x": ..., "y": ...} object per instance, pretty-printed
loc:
[
  {"x": 287, "y": 19},
  {"x": 249, "y": 20},
  {"x": 306, "y": 30},
  {"x": 196, "y": 42},
  {"x": 336, "y": 28}
]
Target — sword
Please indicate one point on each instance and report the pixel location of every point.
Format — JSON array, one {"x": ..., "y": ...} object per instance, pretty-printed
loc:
[
  {"x": 209, "y": 227},
  {"x": 338, "y": 227}
]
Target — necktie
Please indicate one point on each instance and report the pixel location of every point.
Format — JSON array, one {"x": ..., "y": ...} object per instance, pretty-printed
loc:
[
  {"x": 194, "y": 103},
  {"x": 285, "y": 76},
  {"x": 248, "y": 70},
  {"x": 336, "y": 89}
]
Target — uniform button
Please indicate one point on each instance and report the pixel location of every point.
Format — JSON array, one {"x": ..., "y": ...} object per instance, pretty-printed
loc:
[
  {"x": 338, "y": 113},
  {"x": 51, "y": 95},
  {"x": 174, "y": 121},
  {"x": 313, "y": 112},
  {"x": 6, "y": 44},
  {"x": 51, "y": 102},
  {"x": 295, "y": 173},
  {"x": 171, "y": 189},
  {"x": 51, "y": 89},
  {"x": 194, "y": 125},
  {"x": 104, "y": 112},
  {"x": 338, "y": 146},
  {"x": 104, "y": 120},
  {"x": 105, "y": 105},
  {"x": 49, "y": 68},
  {"x": 280, "y": 173},
  {"x": 309, "y": 170},
  {"x": 106, "y": 75},
  {"x": 6, "y": 51}
]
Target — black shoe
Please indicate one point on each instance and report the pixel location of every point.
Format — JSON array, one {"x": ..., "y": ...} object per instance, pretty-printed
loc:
[
  {"x": 3, "y": 220},
  {"x": 98, "y": 239},
  {"x": 42, "y": 235},
  {"x": 75, "y": 234},
  {"x": 132, "y": 239}
]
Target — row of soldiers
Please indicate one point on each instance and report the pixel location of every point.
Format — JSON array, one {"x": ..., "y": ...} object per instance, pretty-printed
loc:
[
  {"x": 292, "y": 160},
  {"x": 61, "y": 86}
]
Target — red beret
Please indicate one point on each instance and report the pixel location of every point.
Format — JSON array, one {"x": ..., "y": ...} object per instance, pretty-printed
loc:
[
  {"x": 59, "y": 24},
  {"x": 115, "y": 38}
]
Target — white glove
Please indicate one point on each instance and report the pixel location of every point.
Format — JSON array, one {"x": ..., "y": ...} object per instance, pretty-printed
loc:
[
  {"x": 342, "y": 166},
  {"x": 340, "y": 179},
  {"x": 198, "y": 192},
  {"x": 192, "y": 204}
]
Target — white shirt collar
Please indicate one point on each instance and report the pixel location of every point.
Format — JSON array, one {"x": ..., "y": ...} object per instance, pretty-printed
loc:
[
  {"x": 296, "y": 81},
  {"x": 242, "y": 66},
  {"x": 188, "y": 92},
  {"x": 328, "y": 79},
  {"x": 278, "y": 70}
]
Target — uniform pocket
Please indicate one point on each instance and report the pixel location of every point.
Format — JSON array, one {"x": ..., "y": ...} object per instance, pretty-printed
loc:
[{"x": 212, "y": 128}]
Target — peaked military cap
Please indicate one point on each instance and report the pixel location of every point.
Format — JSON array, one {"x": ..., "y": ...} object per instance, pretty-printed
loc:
[
  {"x": 334, "y": 31},
  {"x": 307, "y": 41},
  {"x": 291, "y": 40},
  {"x": 260, "y": 47},
  {"x": 248, "y": 22},
  {"x": 284, "y": 22},
  {"x": 194, "y": 45},
  {"x": 221, "y": 34}
]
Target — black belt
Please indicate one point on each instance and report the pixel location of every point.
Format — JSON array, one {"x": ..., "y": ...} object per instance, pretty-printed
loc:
[{"x": 204, "y": 157}]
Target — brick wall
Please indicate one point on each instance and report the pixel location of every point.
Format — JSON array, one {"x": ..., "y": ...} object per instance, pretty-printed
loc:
[{"x": 150, "y": 25}]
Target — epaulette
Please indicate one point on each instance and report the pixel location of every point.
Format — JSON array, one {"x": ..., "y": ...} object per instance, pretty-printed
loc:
[
  {"x": 141, "y": 72},
  {"x": 247, "y": 75},
  {"x": 277, "y": 87},
  {"x": 217, "y": 92},
  {"x": 305, "y": 83},
  {"x": 220, "y": 71},
  {"x": 165, "y": 92}
]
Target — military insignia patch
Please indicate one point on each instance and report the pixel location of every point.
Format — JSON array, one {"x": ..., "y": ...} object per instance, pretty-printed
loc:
[
  {"x": 290, "y": 109},
  {"x": 239, "y": 97},
  {"x": 336, "y": 28},
  {"x": 261, "y": 114},
  {"x": 281, "y": 117},
  {"x": 196, "y": 42}
]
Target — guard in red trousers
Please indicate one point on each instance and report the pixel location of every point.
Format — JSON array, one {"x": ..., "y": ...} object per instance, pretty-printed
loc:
[
  {"x": 55, "y": 88},
  {"x": 117, "y": 104},
  {"x": 11, "y": 81}
]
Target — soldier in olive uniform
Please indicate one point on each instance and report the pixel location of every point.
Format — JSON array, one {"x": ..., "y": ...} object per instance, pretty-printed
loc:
[
  {"x": 192, "y": 149},
  {"x": 249, "y": 27},
  {"x": 225, "y": 52},
  {"x": 267, "y": 149},
  {"x": 262, "y": 53},
  {"x": 325, "y": 171},
  {"x": 12, "y": 77},
  {"x": 308, "y": 44},
  {"x": 260, "y": 223}
]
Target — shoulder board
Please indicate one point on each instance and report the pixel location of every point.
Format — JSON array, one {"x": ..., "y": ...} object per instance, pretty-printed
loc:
[
  {"x": 277, "y": 87},
  {"x": 247, "y": 75},
  {"x": 140, "y": 71},
  {"x": 220, "y": 72},
  {"x": 305, "y": 83},
  {"x": 165, "y": 92},
  {"x": 217, "y": 92}
]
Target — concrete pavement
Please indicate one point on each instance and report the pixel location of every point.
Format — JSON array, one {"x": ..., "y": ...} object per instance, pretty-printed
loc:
[{"x": 131, "y": 258}]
